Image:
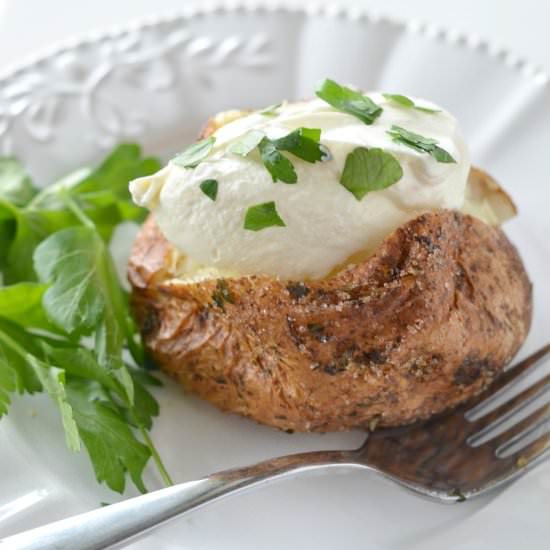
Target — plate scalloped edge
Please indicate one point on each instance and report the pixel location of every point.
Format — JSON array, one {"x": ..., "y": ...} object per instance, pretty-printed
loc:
[
  {"x": 30, "y": 105},
  {"x": 333, "y": 9}
]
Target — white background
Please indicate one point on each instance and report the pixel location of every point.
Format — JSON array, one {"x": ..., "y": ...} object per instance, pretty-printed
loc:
[{"x": 521, "y": 26}]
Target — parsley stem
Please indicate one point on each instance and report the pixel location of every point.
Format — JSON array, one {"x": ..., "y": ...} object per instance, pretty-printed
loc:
[
  {"x": 156, "y": 457},
  {"x": 76, "y": 210},
  {"x": 14, "y": 346}
]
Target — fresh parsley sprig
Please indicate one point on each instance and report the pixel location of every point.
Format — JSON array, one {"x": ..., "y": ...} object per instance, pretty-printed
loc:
[{"x": 64, "y": 318}]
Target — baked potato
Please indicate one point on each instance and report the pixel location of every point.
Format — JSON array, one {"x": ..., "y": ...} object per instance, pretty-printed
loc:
[{"x": 422, "y": 325}]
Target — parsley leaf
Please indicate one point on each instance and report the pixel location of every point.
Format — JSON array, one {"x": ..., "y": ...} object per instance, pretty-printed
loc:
[
  {"x": 402, "y": 100},
  {"x": 369, "y": 170},
  {"x": 303, "y": 143},
  {"x": 22, "y": 304},
  {"x": 101, "y": 193},
  {"x": 280, "y": 168},
  {"x": 85, "y": 295},
  {"x": 145, "y": 405},
  {"x": 111, "y": 444},
  {"x": 15, "y": 343},
  {"x": 22, "y": 236},
  {"x": 104, "y": 186},
  {"x": 263, "y": 215},
  {"x": 112, "y": 176},
  {"x": 210, "y": 188},
  {"x": 408, "y": 103},
  {"x": 420, "y": 143},
  {"x": 15, "y": 185},
  {"x": 271, "y": 110},
  {"x": 14, "y": 355},
  {"x": 247, "y": 143},
  {"x": 72, "y": 260},
  {"x": 81, "y": 363},
  {"x": 195, "y": 153},
  {"x": 349, "y": 101},
  {"x": 54, "y": 383},
  {"x": 7, "y": 384}
]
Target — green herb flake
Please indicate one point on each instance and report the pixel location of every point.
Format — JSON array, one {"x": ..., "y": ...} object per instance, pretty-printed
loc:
[
  {"x": 194, "y": 154},
  {"x": 402, "y": 100},
  {"x": 210, "y": 188},
  {"x": 458, "y": 494},
  {"x": 311, "y": 133},
  {"x": 247, "y": 143},
  {"x": 222, "y": 294},
  {"x": 261, "y": 216},
  {"x": 369, "y": 170},
  {"x": 280, "y": 168},
  {"x": 304, "y": 144},
  {"x": 427, "y": 110},
  {"x": 420, "y": 143},
  {"x": 349, "y": 101},
  {"x": 408, "y": 103},
  {"x": 271, "y": 110}
]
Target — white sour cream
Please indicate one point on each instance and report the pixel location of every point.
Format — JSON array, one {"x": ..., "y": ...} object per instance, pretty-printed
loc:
[{"x": 325, "y": 223}]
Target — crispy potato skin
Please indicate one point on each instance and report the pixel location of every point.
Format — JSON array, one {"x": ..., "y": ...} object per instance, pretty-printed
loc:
[{"x": 419, "y": 327}]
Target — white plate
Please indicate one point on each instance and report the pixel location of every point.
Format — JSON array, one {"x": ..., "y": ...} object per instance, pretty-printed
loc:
[{"x": 156, "y": 82}]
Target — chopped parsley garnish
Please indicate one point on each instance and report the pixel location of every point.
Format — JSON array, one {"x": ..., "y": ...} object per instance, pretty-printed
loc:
[
  {"x": 369, "y": 170},
  {"x": 195, "y": 153},
  {"x": 271, "y": 110},
  {"x": 210, "y": 188},
  {"x": 302, "y": 143},
  {"x": 247, "y": 143},
  {"x": 263, "y": 215},
  {"x": 349, "y": 101},
  {"x": 408, "y": 103},
  {"x": 280, "y": 168},
  {"x": 420, "y": 143}
]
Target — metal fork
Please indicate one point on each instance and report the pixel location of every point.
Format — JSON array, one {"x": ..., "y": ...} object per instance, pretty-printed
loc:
[{"x": 447, "y": 459}]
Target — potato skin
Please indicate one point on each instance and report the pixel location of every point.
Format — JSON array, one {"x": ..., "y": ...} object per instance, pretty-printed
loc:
[{"x": 421, "y": 326}]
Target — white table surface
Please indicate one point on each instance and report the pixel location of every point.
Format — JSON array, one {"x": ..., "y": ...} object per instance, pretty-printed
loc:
[{"x": 520, "y": 26}]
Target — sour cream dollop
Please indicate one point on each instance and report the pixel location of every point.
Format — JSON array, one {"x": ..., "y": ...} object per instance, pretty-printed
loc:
[{"x": 325, "y": 224}]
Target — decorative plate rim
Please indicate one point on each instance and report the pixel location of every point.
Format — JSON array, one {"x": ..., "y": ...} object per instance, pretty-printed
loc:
[{"x": 438, "y": 33}]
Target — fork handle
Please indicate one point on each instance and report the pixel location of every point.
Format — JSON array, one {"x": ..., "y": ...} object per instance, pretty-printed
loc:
[{"x": 117, "y": 523}]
